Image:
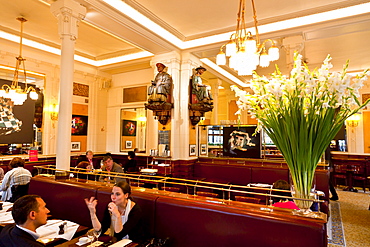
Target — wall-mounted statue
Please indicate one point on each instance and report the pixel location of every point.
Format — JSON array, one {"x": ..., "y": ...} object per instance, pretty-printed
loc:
[
  {"x": 203, "y": 92},
  {"x": 160, "y": 89},
  {"x": 200, "y": 97}
]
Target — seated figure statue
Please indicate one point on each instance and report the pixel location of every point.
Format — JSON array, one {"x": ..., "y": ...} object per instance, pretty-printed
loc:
[
  {"x": 203, "y": 92},
  {"x": 159, "y": 91}
]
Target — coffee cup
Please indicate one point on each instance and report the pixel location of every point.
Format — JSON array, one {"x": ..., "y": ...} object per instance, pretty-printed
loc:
[{"x": 84, "y": 240}]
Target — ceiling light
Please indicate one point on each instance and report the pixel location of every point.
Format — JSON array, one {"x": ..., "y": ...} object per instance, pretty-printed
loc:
[
  {"x": 245, "y": 52},
  {"x": 15, "y": 92},
  {"x": 223, "y": 72}
]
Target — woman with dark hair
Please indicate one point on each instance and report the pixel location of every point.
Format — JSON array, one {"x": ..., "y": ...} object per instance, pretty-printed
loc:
[{"x": 123, "y": 216}]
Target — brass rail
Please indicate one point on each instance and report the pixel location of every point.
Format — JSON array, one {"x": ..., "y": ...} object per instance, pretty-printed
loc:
[{"x": 188, "y": 183}]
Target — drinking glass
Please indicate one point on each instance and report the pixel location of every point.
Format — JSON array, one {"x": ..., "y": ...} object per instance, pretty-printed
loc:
[
  {"x": 91, "y": 235},
  {"x": 96, "y": 234}
]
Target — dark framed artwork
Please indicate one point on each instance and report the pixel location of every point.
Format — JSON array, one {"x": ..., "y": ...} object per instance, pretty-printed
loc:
[
  {"x": 241, "y": 142},
  {"x": 16, "y": 121},
  {"x": 79, "y": 125},
  {"x": 129, "y": 128}
]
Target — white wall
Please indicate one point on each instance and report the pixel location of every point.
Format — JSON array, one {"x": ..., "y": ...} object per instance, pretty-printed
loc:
[{"x": 114, "y": 103}]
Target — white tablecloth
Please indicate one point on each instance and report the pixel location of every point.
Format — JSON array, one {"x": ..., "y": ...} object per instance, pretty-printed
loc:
[{"x": 51, "y": 229}]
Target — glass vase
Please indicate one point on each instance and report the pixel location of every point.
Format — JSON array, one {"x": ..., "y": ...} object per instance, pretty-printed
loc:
[{"x": 303, "y": 200}]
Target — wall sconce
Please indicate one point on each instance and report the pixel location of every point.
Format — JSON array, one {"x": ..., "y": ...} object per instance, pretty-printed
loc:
[
  {"x": 142, "y": 121},
  {"x": 54, "y": 110},
  {"x": 353, "y": 120}
]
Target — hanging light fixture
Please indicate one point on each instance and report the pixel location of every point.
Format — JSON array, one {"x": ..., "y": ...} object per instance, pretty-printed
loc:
[
  {"x": 15, "y": 92},
  {"x": 246, "y": 53}
]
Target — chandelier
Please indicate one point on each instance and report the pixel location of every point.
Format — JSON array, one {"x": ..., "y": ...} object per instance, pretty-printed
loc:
[
  {"x": 246, "y": 53},
  {"x": 15, "y": 92}
]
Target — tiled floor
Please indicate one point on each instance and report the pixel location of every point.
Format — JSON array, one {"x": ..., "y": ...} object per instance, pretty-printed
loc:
[{"x": 355, "y": 217}]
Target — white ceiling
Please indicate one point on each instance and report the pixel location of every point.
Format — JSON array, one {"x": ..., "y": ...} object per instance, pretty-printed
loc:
[{"x": 106, "y": 32}]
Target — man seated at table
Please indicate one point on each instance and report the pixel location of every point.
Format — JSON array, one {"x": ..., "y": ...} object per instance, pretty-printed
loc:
[
  {"x": 29, "y": 212},
  {"x": 88, "y": 157},
  {"x": 15, "y": 182},
  {"x": 110, "y": 167}
]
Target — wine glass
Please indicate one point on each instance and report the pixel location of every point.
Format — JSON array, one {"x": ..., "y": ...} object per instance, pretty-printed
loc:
[
  {"x": 96, "y": 234},
  {"x": 91, "y": 235}
]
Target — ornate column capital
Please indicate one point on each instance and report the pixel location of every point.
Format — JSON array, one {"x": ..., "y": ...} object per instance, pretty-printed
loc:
[{"x": 69, "y": 14}]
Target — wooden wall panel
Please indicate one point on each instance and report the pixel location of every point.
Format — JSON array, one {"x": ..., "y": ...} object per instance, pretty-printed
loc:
[
  {"x": 79, "y": 109},
  {"x": 366, "y": 121},
  {"x": 134, "y": 94}
]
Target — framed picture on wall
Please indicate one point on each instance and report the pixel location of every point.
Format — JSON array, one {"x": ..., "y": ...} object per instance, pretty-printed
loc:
[
  {"x": 128, "y": 128},
  {"x": 203, "y": 148},
  {"x": 192, "y": 150},
  {"x": 128, "y": 144},
  {"x": 75, "y": 146},
  {"x": 79, "y": 125}
]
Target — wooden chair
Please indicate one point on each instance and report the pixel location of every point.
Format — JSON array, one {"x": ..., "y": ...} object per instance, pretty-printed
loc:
[
  {"x": 247, "y": 199},
  {"x": 340, "y": 172},
  {"x": 359, "y": 174},
  {"x": 207, "y": 194}
]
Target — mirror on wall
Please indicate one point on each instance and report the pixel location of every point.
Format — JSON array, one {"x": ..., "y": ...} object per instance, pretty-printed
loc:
[
  {"x": 21, "y": 124},
  {"x": 133, "y": 129}
]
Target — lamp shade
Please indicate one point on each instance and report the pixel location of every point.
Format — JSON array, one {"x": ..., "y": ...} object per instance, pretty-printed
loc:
[
  {"x": 274, "y": 53},
  {"x": 221, "y": 58},
  {"x": 264, "y": 59},
  {"x": 230, "y": 49}
]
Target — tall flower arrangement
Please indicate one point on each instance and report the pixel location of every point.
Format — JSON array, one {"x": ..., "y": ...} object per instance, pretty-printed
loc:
[{"x": 303, "y": 113}]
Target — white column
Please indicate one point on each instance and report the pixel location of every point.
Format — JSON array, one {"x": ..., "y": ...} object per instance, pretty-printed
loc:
[
  {"x": 183, "y": 125},
  {"x": 172, "y": 62},
  {"x": 215, "y": 83},
  {"x": 69, "y": 13}
]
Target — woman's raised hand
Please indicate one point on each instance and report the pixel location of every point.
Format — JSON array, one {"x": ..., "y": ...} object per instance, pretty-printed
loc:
[{"x": 91, "y": 204}]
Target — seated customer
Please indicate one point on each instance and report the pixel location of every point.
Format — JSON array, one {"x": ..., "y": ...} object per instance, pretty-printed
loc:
[
  {"x": 85, "y": 165},
  {"x": 282, "y": 202},
  {"x": 131, "y": 165},
  {"x": 1, "y": 174},
  {"x": 124, "y": 215},
  {"x": 89, "y": 158},
  {"x": 29, "y": 212},
  {"x": 285, "y": 202},
  {"x": 83, "y": 168},
  {"x": 108, "y": 167},
  {"x": 16, "y": 177}
]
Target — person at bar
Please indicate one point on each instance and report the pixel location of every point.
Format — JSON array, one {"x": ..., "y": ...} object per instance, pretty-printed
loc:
[
  {"x": 29, "y": 212},
  {"x": 108, "y": 167},
  {"x": 122, "y": 216},
  {"x": 17, "y": 176},
  {"x": 131, "y": 165}
]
